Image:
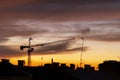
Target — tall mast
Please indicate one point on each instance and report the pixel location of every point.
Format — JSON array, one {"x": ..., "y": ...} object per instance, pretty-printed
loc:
[
  {"x": 81, "y": 54},
  {"x": 29, "y": 52}
]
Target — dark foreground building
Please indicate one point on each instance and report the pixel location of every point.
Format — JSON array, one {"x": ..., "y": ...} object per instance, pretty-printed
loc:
[
  {"x": 55, "y": 71},
  {"x": 10, "y": 72},
  {"x": 110, "y": 66}
]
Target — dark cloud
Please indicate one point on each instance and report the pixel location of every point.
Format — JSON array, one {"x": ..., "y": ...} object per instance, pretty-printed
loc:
[
  {"x": 108, "y": 37},
  {"x": 8, "y": 31},
  {"x": 7, "y": 51},
  {"x": 58, "y": 48},
  {"x": 97, "y": 30},
  {"x": 105, "y": 31},
  {"x": 58, "y": 7},
  {"x": 55, "y": 48},
  {"x": 63, "y": 51},
  {"x": 78, "y": 28},
  {"x": 93, "y": 30},
  {"x": 11, "y": 3},
  {"x": 63, "y": 9}
]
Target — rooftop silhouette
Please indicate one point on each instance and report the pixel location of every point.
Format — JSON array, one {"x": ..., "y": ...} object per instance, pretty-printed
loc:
[
  {"x": 110, "y": 66},
  {"x": 8, "y": 71},
  {"x": 57, "y": 71}
]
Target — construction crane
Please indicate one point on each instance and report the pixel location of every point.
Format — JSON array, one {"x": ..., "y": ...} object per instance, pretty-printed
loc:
[
  {"x": 30, "y": 47},
  {"x": 81, "y": 58}
]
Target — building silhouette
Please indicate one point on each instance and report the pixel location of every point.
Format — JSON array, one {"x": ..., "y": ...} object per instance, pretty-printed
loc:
[
  {"x": 88, "y": 67},
  {"x": 10, "y": 72},
  {"x": 110, "y": 66},
  {"x": 57, "y": 71},
  {"x": 21, "y": 63}
]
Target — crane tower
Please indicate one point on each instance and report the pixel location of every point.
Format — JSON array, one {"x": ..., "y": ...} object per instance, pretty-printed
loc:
[
  {"x": 30, "y": 49},
  {"x": 82, "y": 48}
]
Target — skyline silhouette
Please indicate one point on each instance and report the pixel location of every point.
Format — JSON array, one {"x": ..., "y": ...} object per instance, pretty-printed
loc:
[{"x": 108, "y": 70}]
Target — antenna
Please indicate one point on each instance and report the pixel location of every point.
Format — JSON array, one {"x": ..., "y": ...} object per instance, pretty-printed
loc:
[
  {"x": 81, "y": 59},
  {"x": 41, "y": 61}
]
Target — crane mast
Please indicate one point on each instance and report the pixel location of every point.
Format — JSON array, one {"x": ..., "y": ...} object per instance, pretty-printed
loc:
[
  {"x": 29, "y": 52},
  {"x": 81, "y": 54},
  {"x": 30, "y": 49}
]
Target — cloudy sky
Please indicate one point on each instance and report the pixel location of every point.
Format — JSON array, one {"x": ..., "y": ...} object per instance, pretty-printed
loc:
[{"x": 64, "y": 21}]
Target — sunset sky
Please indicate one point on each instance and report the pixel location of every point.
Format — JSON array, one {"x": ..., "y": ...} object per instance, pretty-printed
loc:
[{"x": 53, "y": 20}]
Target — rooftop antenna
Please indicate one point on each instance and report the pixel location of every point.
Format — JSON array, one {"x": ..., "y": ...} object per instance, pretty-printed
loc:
[
  {"x": 51, "y": 60},
  {"x": 41, "y": 61}
]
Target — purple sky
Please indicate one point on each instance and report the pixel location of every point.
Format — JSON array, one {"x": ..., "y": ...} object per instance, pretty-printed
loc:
[{"x": 99, "y": 20}]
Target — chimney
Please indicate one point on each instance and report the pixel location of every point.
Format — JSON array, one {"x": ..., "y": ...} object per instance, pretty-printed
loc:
[
  {"x": 52, "y": 60},
  {"x": 21, "y": 63}
]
